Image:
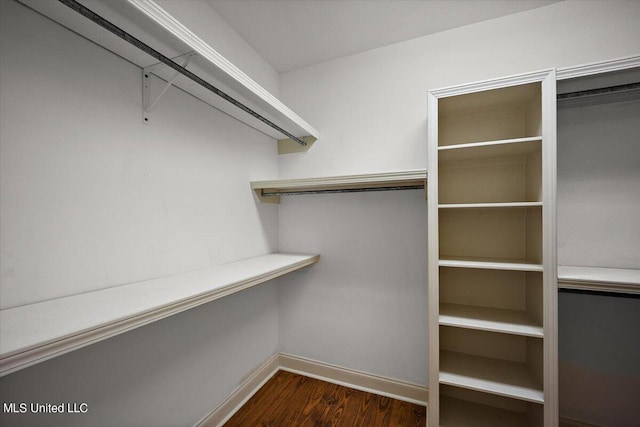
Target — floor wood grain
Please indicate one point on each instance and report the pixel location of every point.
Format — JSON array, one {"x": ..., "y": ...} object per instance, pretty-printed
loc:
[{"x": 294, "y": 400}]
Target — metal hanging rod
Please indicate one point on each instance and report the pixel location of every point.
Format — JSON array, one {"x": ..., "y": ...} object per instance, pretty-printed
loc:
[
  {"x": 600, "y": 91},
  {"x": 340, "y": 190},
  {"x": 87, "y": 13}
]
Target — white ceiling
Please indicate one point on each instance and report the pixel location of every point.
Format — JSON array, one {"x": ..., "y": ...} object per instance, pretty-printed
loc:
[{"x": 291, "y": 34}]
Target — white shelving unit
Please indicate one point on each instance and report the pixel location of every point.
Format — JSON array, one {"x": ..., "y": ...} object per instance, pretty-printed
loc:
[
  {"x": 150, "y": 23},
  {"x": 492, "y": 268},
  {"x": 37, "y": 332},
  {"x": 270, "y": 191}
]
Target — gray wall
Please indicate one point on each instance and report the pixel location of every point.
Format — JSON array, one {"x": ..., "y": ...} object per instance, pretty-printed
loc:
[
  {"x": 91, "y": 198},
  {"x": 599, "y": 226}
]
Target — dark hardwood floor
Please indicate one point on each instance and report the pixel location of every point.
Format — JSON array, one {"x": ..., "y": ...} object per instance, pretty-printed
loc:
[{"x": 294, "y": 400}]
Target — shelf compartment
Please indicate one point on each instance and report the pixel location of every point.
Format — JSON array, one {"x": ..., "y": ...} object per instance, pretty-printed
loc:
[
  {"x": 503, "y": 378},
  {"x": 270, "y": 191},
  {"x": 501, "y": 364},
  {"x": 464, "y": 413},
  {"x": 493, "y": 300},
  {"x": 489, "y": 319},
  {"x": 502, "y": 173},
  {"x": 36, "y": 332},
  {"x": 494, "y": 234},
  {"x": 498, "y": 114}
]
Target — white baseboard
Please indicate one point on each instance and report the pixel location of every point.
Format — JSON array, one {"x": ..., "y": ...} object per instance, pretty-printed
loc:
[
  {"x": 242, "y": 394},
  {"x": 330, "y": 373},
  {"x": 311, "y": 368},
  {"x": 383, "y": 386}
]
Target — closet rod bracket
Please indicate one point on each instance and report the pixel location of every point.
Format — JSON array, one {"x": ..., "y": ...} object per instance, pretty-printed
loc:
[
  {"x": 288, "y": 145},
  {"x": 147, "y": 102}
]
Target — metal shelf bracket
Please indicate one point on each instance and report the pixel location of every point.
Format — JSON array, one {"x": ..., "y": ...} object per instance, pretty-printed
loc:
[{"x": 147, "y": 102}]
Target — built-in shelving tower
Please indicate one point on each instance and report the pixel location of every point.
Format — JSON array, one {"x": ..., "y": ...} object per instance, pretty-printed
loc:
[{"x": 492, "y": 260}]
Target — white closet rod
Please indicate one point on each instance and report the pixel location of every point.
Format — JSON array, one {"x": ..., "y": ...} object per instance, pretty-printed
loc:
[{"x": 87, "y": 13}]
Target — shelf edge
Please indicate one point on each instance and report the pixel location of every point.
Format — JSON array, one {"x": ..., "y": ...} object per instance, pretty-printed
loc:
[
  {"x": 618, "y": 280},
  {"x": 397, "y": 180},
  {"x": 182, "y": 33},
  {"x": 489, "y": 143},
  {"x": 490, "y": 265}
]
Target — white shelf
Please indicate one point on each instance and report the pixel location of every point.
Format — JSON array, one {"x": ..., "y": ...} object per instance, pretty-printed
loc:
[
  {"x": 490, "y": 205},
  {"x": 622, "y": 280},
  {"x": 489, "y": 319},
  {"x": 269, "y": 191},
  {"x": 500, "y": 377},
  {"x": 490, "y": 264},
  {"x": 489, "y": 149},
  {"x": 33, "y": 333},
  {"x": 463, "y": 413},
  {"x": 489, "y": 143},
  {"x": 154, "y": 26}
]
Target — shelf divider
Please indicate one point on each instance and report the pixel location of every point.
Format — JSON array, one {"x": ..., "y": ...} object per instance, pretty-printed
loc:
[
  {"x": 489, "y": 319},
  {"x": 490, "y": 205},
  {"x": 489, "y": 143},
  {"x": 517, "y": 265}
]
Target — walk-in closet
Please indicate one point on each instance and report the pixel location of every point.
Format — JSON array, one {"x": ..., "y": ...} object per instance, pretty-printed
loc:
[{"x": 345, "y": 213}]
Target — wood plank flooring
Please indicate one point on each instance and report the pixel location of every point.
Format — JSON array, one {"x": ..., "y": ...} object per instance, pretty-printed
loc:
[{"x": 294, "y": 400}]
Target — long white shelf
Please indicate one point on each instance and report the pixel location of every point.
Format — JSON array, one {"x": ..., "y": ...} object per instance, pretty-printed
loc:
[
  {"x": 270, "y": 191},
  {"x": 621, "y": 280},
  {"x": 33, "y": 333},
  {"x": 155, "y": 26},
  {"x": 500, "y": 377},
  {"x": 489, "y": 264},
  {"x": 489, "y": 319}
]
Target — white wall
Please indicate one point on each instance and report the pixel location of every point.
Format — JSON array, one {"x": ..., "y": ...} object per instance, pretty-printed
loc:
[
  {"x": 363, "y": 305},
  {"x": 91, "y": 198},
  {"x": 371, "y": 109}
]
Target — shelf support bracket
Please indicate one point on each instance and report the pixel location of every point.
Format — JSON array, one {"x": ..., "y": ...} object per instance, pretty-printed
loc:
[
  {"x": 289, "y": 146},
  {"x": 147, "y": 102},
  {"x": 274, "y": 200}
]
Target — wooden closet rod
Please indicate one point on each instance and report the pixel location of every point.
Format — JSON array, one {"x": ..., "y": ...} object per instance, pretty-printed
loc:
[
  {"x": 599, "y": 91},
  {"x": 87, "y": 13}
]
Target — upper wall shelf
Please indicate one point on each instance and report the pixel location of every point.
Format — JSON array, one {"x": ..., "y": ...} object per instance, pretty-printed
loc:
[
  {"x": 620, "y": 280},
  {"x": 270, "y": 191},
  {"x": 149, "y": 23},
  {"x": 36, "y": 332}
]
